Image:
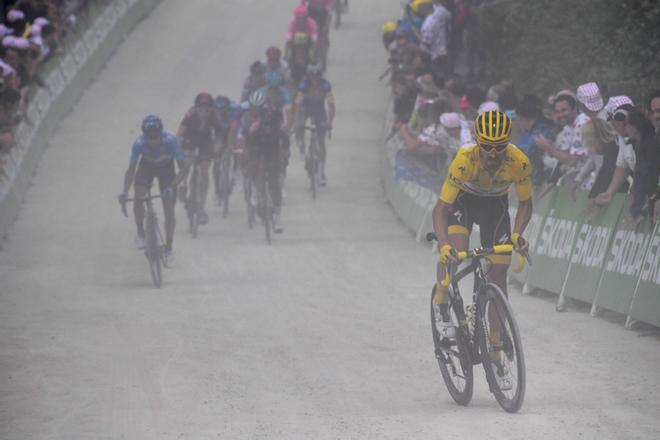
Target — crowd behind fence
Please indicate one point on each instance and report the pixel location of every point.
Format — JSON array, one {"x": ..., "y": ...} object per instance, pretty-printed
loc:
[
  {"x": 596, "y": 161},
  {"x": 33, "y": 35}
]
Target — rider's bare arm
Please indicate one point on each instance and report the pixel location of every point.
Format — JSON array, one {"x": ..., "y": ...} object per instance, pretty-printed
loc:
[
  {"x": 129, "y": 176},
  {"x": 441, "y": 222},
  {"x": 523, "y": 215},
  {"x": 181, "y": 176}
]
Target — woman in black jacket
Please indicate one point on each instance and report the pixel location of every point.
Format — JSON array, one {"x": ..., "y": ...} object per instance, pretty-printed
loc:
[{"x": 647, "y": 167}]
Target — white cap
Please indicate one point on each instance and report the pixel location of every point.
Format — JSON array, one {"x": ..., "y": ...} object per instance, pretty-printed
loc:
[
  {"x": 488, "y": 106},
  {"x": 615, "y": 102},
  {"x": 589, "y": 95},
  {"x": 450, "y": 120}
]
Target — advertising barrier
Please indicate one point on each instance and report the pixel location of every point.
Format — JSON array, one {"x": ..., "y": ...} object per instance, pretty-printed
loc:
[
  {"x": 623, "y": 264},
  {"x": 645, "y": 305},
  {"x": 554, "y": 244},
  {"x": 591, "y": 245},
  {"x": 593, "y": 255}
]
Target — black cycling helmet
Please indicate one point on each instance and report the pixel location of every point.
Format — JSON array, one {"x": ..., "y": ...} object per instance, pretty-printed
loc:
[
  {"x": 152, "y": 126},
  {"x": 222, "y": 102},
  {"x": 257, "y": 68},
  {"x": 204, "y": 99}
]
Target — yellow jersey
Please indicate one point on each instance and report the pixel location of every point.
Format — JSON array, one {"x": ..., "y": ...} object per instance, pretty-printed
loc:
[{"x": 467, "y": 174}]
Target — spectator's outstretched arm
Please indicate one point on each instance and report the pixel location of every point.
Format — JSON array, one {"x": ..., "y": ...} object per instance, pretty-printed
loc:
[
  {"x": 411, "y": 142},
  {"x": 551, "y": 149},
  {"x": 619, "y": 176}
]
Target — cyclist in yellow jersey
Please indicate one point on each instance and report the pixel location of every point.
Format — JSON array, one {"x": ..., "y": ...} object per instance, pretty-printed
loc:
[{"x": 475, "y": 191}]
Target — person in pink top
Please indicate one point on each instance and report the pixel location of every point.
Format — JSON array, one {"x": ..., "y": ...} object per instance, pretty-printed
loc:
[{"x": 302, "y": 22}]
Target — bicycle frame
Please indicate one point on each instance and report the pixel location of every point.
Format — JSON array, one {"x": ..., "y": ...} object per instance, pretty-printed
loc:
[
  {"x": 153, "y": 249},
  {"x": 312, "y": 158}
]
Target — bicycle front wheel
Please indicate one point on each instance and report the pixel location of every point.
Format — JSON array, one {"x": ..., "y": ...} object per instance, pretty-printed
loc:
[
  {"x": 501, "y": 349},
  {"x": 225, "y": 173},
  {"x": 153, "y": 252},
  {"x": 453, "y": 356},
  {"x": 268, "y": 214},
  {"x": 193, "y": 202}
]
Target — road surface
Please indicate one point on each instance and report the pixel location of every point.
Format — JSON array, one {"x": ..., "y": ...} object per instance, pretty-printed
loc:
[{"x": 323, "y": 335}]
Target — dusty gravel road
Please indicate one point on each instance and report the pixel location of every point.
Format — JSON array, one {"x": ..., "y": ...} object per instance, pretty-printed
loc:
[{"x": 323, "y": 335}]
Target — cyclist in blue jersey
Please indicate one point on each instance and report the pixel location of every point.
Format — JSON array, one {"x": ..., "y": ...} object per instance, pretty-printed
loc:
[
  {"x": 229, "y": 114},
  {"x": 152, "y": 156},
  {"x": 314, "y": 94}
]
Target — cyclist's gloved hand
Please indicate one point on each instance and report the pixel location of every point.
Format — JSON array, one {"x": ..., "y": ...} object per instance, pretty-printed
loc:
[
  {"x": 520, "y": 243},
  {"x": 169, "y": 194},
  {"x": 447, "y": 254}
]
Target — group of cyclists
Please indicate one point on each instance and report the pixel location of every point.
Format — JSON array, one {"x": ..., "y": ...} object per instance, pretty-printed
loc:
[{"x": 255, "y": 130}]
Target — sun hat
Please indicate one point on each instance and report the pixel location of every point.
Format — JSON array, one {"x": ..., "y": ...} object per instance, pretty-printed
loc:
[
  {"x": 589, "y": 95},
  {"x": 450, "y": 120}
]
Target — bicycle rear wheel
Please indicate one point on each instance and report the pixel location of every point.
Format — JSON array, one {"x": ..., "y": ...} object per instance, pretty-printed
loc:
[
  {"x": 225, "y": 180},
  {"x": 268, "y": 214},
  {"x": 454, "y": 357},
  {"x": 338, "y": 12},
  {"x": 501, "y": 348},
  {"x": 312, "y": 165},
  {"x": 192, "y": 205},
  {"x": 248, "y": 200}
]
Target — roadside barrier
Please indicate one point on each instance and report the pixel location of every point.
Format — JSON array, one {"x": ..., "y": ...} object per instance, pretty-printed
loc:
[
  {"x": 96, "y": 36},
  {"x": 594, "y": 256}
]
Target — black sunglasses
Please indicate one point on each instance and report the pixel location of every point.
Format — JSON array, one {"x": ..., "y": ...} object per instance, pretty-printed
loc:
[
  {"x": 620, "y": 115},
  {"x": 499, "y": 147}
]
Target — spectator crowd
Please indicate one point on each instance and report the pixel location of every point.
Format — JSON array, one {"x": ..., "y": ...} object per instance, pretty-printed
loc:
[
  {"x": 575, "y": 138},
  {"x": 31, "y": 33}
]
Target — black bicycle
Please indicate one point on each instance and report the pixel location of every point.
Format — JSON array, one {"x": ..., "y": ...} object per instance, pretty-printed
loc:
[
  {"x": 264, "y": 206},
  {"x": 154, "y": 249},
  {"x": 194, "y": 197},
  {"x": 223, "y": 173},
  {"x": 486, "y": 333},
  {"x": 340, "y": 7},
  {"x": 313, "y": 159}
]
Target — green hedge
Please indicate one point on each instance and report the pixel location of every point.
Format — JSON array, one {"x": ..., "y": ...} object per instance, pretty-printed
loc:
[{"x": 547, "y": 45}]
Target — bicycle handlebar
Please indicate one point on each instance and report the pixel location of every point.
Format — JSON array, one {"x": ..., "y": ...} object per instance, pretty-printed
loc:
[{"x": 481, "y": 253}]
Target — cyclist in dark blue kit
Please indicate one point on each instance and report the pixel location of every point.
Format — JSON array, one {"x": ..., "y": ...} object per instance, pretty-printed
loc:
[
  {"x": 152, "y": 156},
  {"x": 314, "y": 93}
]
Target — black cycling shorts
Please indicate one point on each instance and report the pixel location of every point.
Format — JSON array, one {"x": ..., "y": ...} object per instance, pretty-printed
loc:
[
  {"x": 146, "y": 173},
  {"x": 320, "y": 15},
  {"x": 490, "y": 213},
  {"x": 205, "y": 150}
]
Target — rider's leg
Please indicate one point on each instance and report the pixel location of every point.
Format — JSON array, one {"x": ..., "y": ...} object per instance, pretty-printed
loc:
[
  {"x": 273, "y": 173},
  {"x": 189, "y": 157},
  {"x": 138, "y": 208},
  {"x": 165, "y": 180},
  {"x": 495, "y": 228},
  {"x": 321, "y": 132},
  {"x": 170, "y": 222},
  {"x": 299, "y": 130},
  {"x": 204, "y": 166},
  {"x": 458, "y": 238}
]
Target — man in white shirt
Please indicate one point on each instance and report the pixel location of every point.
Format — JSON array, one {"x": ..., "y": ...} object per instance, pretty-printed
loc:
[{"x": 435, "y": 34}]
